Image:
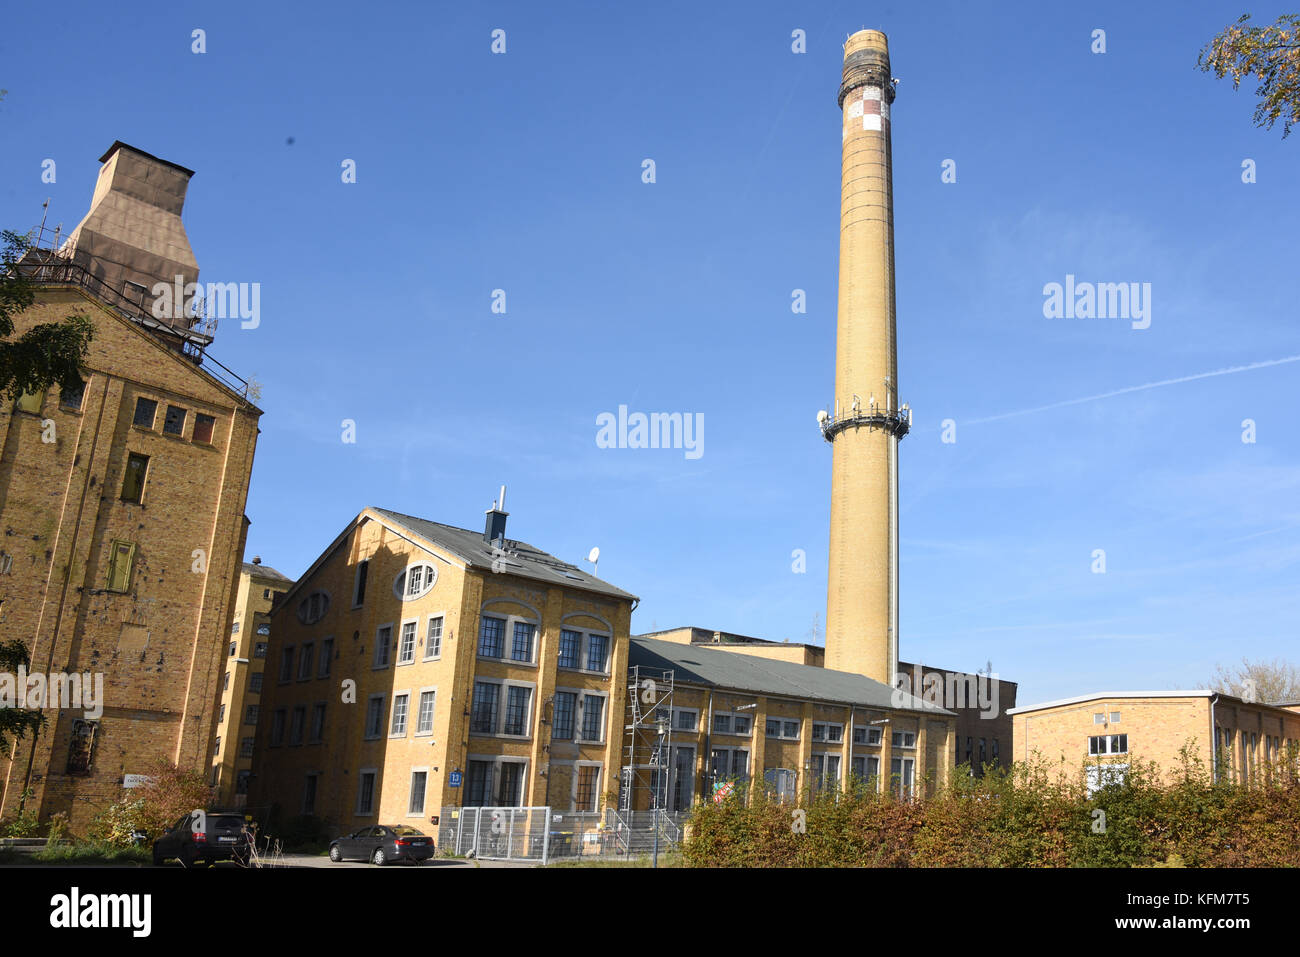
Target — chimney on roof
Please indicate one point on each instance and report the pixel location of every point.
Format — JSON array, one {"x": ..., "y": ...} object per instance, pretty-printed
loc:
[{"x": 494, "y": 530}]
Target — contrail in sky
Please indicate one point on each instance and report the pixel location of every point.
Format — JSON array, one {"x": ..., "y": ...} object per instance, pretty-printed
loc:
[{"x": 1139, "y": 388}]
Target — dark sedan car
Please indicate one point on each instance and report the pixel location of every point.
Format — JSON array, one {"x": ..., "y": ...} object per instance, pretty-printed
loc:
[
  {"x": 207, "y": 836},
  {"x": 383, "y": 845}
]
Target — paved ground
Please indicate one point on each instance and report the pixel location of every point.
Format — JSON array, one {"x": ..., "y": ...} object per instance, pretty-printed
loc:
[{"x": 438, "y": 863}]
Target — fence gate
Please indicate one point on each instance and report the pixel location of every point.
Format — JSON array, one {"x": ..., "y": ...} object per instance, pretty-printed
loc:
[{"x": 496, "y": 833}]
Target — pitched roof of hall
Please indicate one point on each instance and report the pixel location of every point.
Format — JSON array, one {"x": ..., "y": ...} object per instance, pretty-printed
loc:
[
  {"x": 696, "y": 664},
  {"x": 265, "y": 571},
  {"x": 520, "y": 558}
]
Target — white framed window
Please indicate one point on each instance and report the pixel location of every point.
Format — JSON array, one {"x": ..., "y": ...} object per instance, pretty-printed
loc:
[
  {"x": 824, "y": 775},
  {"x": 902, "y": 776},
  {"x": 732, "y": 722},
  {"x": 383, "y": 646},
  {"x": 585, "y": 786},
  {"x": 591, "y": 717},
  {"x": 1108, "y": 744},
  {"x": 406, "y": 643},
  {"x": 374, "y": 717},
  {"x": 904, "y": 739},
  {"x": 367, "y": 791},
  {"x": 419, "y": 785},
  {"x": 866, "y": 768},
  {"x": 729, "y": 764},
  {"x": 1099, "y": 718},
  {"x": 584, "y": 650},
  {"x": 827, "y": 731},
  {"x": 425, "y": 708},
  {"x": 686, "y": 719},
  {"x": 433, "y": 638},
  {"x": 313, "y": 607},
  {"x": 502, "y": 708},
  {"x": 401, "y": 710},
  {"x": 865, "y": 734},
  {"x": 787, "y": 729},
  {"x": 1114, "y": 717},
  {"x": 415, "y": 581}
]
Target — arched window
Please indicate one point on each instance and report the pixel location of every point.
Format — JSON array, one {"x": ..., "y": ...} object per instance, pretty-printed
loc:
[
  {"x": 415, "y": 581},
  {"x": 313, "y": 608}
]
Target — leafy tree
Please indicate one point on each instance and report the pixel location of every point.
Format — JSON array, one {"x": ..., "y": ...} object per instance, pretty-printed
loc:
[
  {"x": 15, "y": 722},
  {"x": 1274, "y": 681},
  {"x": 46, "y": 353},
  {"x": 1272, "y": 55}
]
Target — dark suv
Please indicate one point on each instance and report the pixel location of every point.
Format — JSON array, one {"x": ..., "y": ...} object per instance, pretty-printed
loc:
[{"x": 207, "y": 836}]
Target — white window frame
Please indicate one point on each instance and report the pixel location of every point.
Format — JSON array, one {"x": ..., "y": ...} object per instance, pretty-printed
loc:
[
  {"x": 415, "y": 640},
  {"x": 870, "y": 732},
  {"x": 595, "y": 793},
  {"x": 783, "y": 736},
  {"x": 694, "y": 712},
  {"x": 731, "y": 751},
  {"x": 503, "y": 699},
  {"x": 820, "y": 760},
  {"x": 906, "y": 790},
  {"x": 580, "y": 715},
  {"x": 903, "y": 745},
  {"x": 427, "y": 581},
  {"x": 374, "y": 794},
  {"x": 410, "y": 787},
  {"x": 866, "y": 775},
  {"x": 374, "y": 658},
  {"x": 826, "y": 726},
  {"x": 392, "y": 713},
  {"x": 442, "y": 634},
  {"x": 433, "y": 718}
]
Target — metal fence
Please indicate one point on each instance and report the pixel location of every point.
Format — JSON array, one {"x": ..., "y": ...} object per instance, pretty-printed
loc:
[{"x": 543, "y": 834}]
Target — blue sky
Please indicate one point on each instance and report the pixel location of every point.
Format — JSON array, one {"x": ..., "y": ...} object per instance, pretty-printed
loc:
[{"x": 523, "y": 172}]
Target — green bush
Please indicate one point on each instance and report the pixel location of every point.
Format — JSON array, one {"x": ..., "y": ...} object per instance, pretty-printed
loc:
[{"x": 1019, "y": 817}]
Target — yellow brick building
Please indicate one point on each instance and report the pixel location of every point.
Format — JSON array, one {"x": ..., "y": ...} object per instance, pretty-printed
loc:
[
  {"x": 795, "y": 727},
  {"x": 412, "y": 653},
  {"x": 123, "y": 505},
  {"x": 1237, "y": 739},
  {"x": 260, "y": 586}
]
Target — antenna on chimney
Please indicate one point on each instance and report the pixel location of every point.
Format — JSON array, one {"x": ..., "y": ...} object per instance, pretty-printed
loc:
[{"x": 501, "y": 503}]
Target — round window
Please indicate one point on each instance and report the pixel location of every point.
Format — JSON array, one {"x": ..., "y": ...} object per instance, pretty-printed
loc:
[{"x": 415, "y": 581}]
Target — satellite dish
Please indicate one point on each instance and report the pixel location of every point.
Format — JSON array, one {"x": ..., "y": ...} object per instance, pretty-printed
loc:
[
  {"x": 822, "y": 416},
  {"x": 593, "y": 556}
]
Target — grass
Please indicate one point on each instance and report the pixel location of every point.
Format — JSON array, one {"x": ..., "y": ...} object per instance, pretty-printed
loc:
[
  {"x": 666, "y": 859},
  {"x": 80, "y": 852}
]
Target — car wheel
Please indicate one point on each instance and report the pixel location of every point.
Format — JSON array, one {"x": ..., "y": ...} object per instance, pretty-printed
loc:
[
  {"x": 378, "y": 858},
  {"x": 335, "y": 854}
]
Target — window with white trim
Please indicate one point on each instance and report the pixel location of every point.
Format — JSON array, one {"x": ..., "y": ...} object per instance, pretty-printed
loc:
[
  {"x": 825, "y": 772},
  {"x": 827, "y": 731},
  {"x": 904, "y": 739},
  {"x": 415, "y": 804},
  {"x": 1108, "y": 744},
  {"x": 729, "y": 764},
  {"x": 383, "y": 646},
  {"x": 313, "y": 607},
  {"x": 787, "y": 729},
  {"x": 686, "y": 719},
  {"x": 406, "y": 645},
  {"x": 863, "y": 734},
  {"x": 424, "y": 716},
  {"x": 401, "y": 705},
  {"x": 415, "y": 581},
  {"x": 433, "y": 638}
]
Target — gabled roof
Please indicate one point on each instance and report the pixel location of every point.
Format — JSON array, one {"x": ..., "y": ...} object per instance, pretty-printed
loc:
[
  {"x": 697, "y": 664},
  {"x": 517, "y": 558},
  {"x": 265, "y": 571}
]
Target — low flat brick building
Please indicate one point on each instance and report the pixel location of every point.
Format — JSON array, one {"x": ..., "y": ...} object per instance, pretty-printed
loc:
[{"x": 1102, "y": 733}]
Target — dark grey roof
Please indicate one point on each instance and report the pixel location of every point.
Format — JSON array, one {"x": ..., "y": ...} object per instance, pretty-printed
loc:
[
  {"x": 265, "y": 571},
  {"x": 735, "y": 670},
  {"x": 519, "y": 558}
]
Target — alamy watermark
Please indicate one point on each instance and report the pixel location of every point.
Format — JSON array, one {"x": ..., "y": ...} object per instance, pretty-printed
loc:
[
  {"x": 947, "y": 689},
  {"x": 35, "y": 690},
  {"x": 1101, "y": 300},
  {"x": 657, "y": 430},
  {"x": 213, "y": 300}
]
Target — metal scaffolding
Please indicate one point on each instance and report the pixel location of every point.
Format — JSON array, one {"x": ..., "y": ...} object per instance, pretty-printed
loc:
[{"x": 645, "y": 770}]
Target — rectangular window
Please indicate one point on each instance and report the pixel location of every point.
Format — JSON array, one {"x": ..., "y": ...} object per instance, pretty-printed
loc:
[
  {"x": 326, "y": 658},
  {"x": 400, "y": 703},
  {"x": 483, "y": 717},
  {"x": 593, "y": 710},
  {"x": 305, "y": 660},
  {"x": 1114, "y": 717},
  {"x": 277, "y": 727},
  {"x": 901, "y": 773},
  {"x": 296, "y": 723},
  {"x": 478, "y": 787},
  {"x": 722, "y": 724},
  {"x": 684, "y": 720},
  {"x": 121, "y": 563},
  {"x": 225, "y": 684},
  {"x": 309, "y": 794},
  {"x": 255, "y": 683},
  {"x": 359, "y": 587},
  {"x": 30, "y": 402},
  {"x": 145, "y": 411},
  {"x": 790, "y": 729},
  {"x": 740, "y": 724},
  {"x": 71, "y": 397},
  {"x": 317, "y": 722},
  {"x": 203, "y": 428},
  {"x": 174, "y": 423},
  {"x": 406, "y": 650},
  {"x": 904, "y": 739},
  {"x": 433, "y": 640},
  {"x": 866, "y": 767},
  {"x": 597, "y": 652},
  {"x": 383, "y": 645},
  {"x": 366, "y": 793},
  {"x": 261, "y": 649},
  {"x": 1099, "y": 718},
  {"x": 510, "y": 787},
  {"x": 416, "y": 804},
  {"x": 585, "y": 800},
  {"x": 491, "y": 639},
  {"x": 517, "y": 700},
  {"x": 250, "y": 714},
  {"x": 286, "y": 663},
  {"x": 245, "y": 747},
  {"x": 221, "y": 714},
  {"x": 570, "y": 643},
  {"x": 1108, "y": 744},
  {"x": 424, "y": 721},
  {"x": 375, "y": 716},
  {"x": 562, "y": 715},
  {"x": 133, "y": 481},
  {"x": 521, "y": 648}
]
